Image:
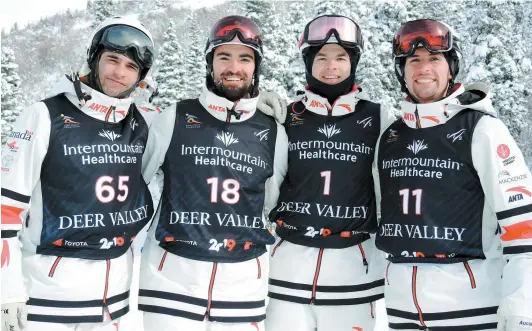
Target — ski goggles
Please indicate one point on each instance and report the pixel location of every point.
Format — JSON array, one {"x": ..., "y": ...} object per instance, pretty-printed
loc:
[
  {"x": 227, "y": 29},
  {"x": 124, "y": 39},
  {"x": 320, "y": 29},
  {"x": 436, "y": 37}
]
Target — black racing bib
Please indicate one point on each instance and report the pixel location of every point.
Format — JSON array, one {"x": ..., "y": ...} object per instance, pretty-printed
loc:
[
  {"x": 214, "y": 186},
  {"x": 432, "y": 199},
  {"x": 94, "y": 198},
  {"x": 327, "y": 199}
]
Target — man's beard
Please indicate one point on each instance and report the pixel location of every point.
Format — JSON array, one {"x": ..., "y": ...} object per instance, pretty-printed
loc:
[{"x": 232, "y": 93}]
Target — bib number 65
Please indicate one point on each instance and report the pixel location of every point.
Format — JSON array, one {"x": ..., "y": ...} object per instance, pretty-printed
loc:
[{"x": 106, "y": 193}]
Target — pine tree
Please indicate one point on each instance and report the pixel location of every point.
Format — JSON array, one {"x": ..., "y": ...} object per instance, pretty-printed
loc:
[
  {"x": 275, "y": 62},
  {"x": 11, "y": 96},
  {"x": 99, "y": 11},
  {"x": 194, "y": 59},
  {"x": 331, "y": 7},
  {"x": 500, "y": 59},
  {"x": 295, "y": 79},
  {"x": 375, "y": 71},
  {"x": 171, "y": 69}
]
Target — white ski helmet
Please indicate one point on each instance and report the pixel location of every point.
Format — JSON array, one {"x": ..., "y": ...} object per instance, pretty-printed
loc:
[{"x": 115, "y": 34}]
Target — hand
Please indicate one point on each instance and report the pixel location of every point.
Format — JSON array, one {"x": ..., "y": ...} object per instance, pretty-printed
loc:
[
  {"x": 514, "y": 323},
  {"x": 14, "y": 316},
  {"x": 271, "y": 104}
]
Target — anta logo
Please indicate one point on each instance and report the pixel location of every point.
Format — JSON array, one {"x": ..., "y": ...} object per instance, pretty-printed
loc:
[
  {"x": 98, "y": 107},
  {"x": 357, "y": 328},
  {"x": 431, "y": 118},
  {"x": 316, "y": 104},
  {"x": 409, "y": 117},
  {"x": 346, "y": 106},
  {"x": 520, "y": 191},
  {"x": 103, "y": 109},
  {"x": 514, "y": 198},
  {"x": 217, "y": 108}
]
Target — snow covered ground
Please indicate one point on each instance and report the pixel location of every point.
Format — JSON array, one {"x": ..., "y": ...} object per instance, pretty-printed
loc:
[{"x": 133, "y": 320}]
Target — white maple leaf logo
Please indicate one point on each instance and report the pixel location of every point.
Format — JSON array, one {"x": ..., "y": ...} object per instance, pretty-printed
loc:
[
  {"x": 417, "y": 146},
  {"x": 227, "y": 138},
  {"x": 329, "y": 130},
  {"x": 109, "y": 135}
]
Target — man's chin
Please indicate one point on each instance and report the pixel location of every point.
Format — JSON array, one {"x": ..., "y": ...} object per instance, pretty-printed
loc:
[{"x": 232, "y": 93}]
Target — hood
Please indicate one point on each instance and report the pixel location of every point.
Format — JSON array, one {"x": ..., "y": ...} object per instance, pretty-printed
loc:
[
  {"x": 220, "y": 107},
  {"x": 344, "y": 105},
  {"x": 424, "y": 115},
  {"x": 97, "y": 104}
]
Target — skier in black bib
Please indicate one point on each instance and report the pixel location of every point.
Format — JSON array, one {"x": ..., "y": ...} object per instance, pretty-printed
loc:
[
  {"x": 73, "y": 193},
  {"x": 205, "y": 265},
  {"x": 326, "y": 273},
  {"x": 454, "y": 189}
]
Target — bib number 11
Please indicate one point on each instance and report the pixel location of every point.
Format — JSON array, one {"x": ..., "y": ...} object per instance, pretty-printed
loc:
[{"x": 405, "y": 193}]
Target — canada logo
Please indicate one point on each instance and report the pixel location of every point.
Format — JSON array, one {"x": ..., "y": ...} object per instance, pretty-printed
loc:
[{"x": 503, "y": 151}]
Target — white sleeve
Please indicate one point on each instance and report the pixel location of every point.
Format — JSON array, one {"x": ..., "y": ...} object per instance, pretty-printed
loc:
[
  {"x": 159, "y": 137},
  {"x": 387, "y": 117},
  {"x": 22, "y": 159},
  {"x": 280, "y": 167},
  {"x": 507, "y": 185}
]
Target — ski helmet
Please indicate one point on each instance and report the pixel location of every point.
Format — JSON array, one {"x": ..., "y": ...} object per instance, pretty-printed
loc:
[
  {"x": 435, "y": 37},
  {"x": 124, "y": 35},
  {"x": 235, "y": 30},
  {"x": 332, "y": 29}
]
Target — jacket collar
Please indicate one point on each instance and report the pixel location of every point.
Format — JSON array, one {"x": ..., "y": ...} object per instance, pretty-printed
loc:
[
  {"x": 98, "y": 105},
  {"x": 344, "y": 105},
  {"x": 227, "y": 110}
]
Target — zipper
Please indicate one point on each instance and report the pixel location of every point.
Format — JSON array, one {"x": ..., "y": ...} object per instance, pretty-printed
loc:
[
  {"x": 414, "y": 295},
  {"x": 259, "y": 268},
  {"x": 471, "y": 276},
  {"x": 418, "y": 120},
  {"x": 54, "y": 266},
  {"x": 372, "y": 310},
  {"x": 232, "y": 112},
  {"x": 211, "y": 285},
  {"x": 388, "y": 268},
  {"x": 364, "y": 261},
  {"x": 316, "y": 275},
  {"x": 278, "y": 244},
  {"x": 109, "y": 113},
  {"x": 162, "y": 261}
]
